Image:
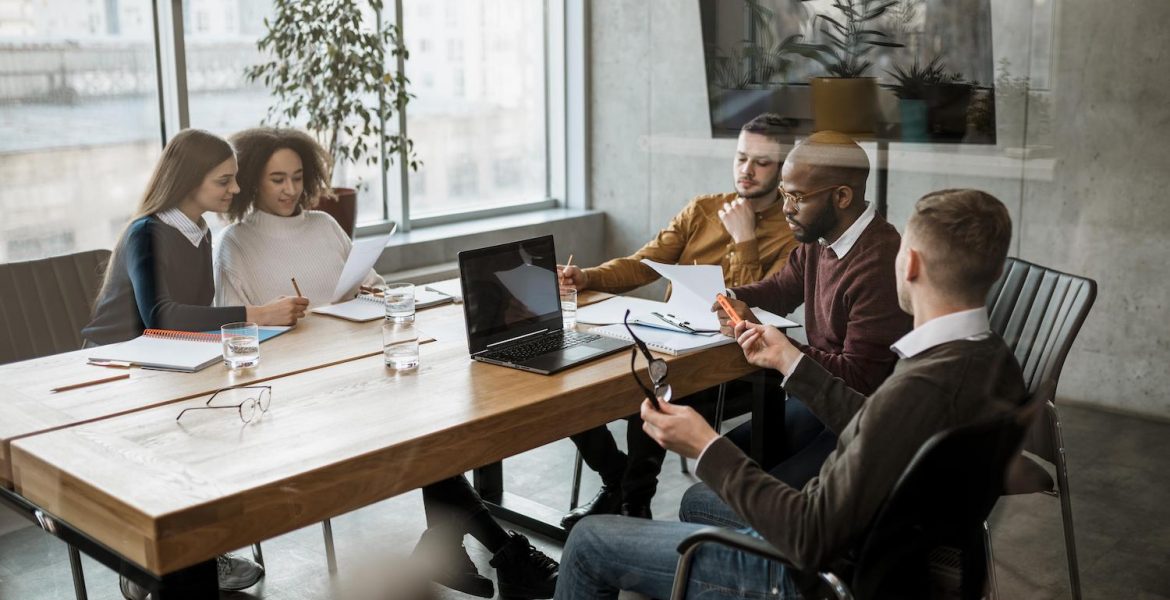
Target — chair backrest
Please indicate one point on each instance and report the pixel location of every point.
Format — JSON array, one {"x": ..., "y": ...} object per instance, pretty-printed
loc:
[
  {"x": 342, "y": 207},
  {"x": 942, "y": 499},
  {"x": 45, "y": 303},
  {"x": 1038, "y": 313}
]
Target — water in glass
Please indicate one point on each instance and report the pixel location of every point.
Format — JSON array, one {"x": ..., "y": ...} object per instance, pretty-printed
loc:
[{"x": 400, "y": 343}]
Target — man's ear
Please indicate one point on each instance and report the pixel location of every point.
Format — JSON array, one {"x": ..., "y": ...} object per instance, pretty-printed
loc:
[
  {"x": 843, "y": 197},
  {"x": 913, "y": 265}
]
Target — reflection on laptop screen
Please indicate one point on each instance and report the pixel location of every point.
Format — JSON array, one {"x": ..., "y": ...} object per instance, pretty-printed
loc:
[{"x": 511, "y": 286}]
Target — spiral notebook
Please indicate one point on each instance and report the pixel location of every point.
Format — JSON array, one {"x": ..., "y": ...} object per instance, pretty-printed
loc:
[
  {"x": 664, "y": 340},
  {"x": 164, "y": 350}
]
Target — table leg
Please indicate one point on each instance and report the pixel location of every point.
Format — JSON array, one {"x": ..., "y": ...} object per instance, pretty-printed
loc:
[
  {"x": 488, "y": 481},
  {"x": 767, "y": 417}
]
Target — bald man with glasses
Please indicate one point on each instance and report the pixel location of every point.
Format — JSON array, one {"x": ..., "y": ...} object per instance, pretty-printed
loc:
[{"x": 843, "y": 274}]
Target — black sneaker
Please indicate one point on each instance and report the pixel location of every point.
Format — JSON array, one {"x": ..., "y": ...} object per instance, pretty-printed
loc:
[
  {"x": 524, "y": 573},
  {"x": 448, "y": 565},
  {"x": 608, "y": 501}
]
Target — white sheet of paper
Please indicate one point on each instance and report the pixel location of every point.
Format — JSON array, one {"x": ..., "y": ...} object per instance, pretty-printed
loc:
[
  {"x": 362, "y": 257},
  {"x": 613, "y": 310},
  {"x": 693, "y": 290}
]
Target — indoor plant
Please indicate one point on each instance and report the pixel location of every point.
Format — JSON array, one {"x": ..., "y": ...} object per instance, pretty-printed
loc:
[
  {"x": 330, "y": 76},
  {"x": 933, "y": 103},
  {"x": 846, "y": 101}
]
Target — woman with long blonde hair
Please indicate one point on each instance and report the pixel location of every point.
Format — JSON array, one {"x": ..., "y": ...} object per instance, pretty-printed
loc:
[{"x": 160, "y": 275}]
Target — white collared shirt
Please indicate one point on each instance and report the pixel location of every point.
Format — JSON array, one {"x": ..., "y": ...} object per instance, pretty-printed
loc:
[
  {"x": 964, "y": 325},
  {"x": 194, "y": 232},
  {"x": 845, "y": 243}
]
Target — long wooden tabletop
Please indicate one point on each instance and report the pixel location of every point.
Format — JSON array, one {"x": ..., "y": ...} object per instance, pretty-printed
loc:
[
  {"x": 28, "y": 406},
  {"x": 167, "y": 494}
]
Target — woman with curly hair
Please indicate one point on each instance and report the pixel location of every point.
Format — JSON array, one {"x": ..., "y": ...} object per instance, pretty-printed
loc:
[{"x": 275, "y": 235}]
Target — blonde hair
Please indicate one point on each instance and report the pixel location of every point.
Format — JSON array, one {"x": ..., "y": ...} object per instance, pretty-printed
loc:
[{"x": 964, "y": 236}]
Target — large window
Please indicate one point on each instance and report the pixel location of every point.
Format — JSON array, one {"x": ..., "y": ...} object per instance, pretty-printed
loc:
[
  {"x": 79, "y": 122},
  {"x": 81, "y": 125}
]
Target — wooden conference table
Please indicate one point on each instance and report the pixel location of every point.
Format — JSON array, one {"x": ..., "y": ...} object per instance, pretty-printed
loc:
[{"x": 109, "y": 470}]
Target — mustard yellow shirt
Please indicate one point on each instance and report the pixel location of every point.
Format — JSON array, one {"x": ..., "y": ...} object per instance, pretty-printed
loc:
[{"x": 697, "y": 235}]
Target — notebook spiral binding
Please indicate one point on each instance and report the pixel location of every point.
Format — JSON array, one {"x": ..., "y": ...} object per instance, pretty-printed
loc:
[{"x": 186, "y": 336}]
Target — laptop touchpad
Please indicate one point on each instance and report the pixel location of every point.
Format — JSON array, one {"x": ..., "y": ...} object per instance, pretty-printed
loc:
[{"x": 577, "y": 352}]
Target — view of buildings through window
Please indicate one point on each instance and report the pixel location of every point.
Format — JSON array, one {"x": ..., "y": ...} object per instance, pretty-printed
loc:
[{"x": 80, "y": 126}]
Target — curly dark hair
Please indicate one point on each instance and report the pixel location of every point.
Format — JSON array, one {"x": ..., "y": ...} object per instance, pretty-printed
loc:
[{"x": 253, "y": 149}]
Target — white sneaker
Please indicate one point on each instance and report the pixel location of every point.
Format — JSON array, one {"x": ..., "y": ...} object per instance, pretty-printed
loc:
[
  {"x": 237, "y": 573},
  {"x": 131, "y": 590}
]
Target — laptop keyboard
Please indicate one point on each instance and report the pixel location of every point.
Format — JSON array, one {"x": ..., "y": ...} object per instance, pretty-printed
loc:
[{"x": 542, "y": 345}]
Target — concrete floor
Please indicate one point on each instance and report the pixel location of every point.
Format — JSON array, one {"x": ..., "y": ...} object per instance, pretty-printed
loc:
[{"x": 1120, "y": 493}]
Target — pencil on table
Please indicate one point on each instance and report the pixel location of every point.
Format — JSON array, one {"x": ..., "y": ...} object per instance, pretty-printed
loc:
[
  {"x": 66, "y": 388},
  {"x": 297, "y": 288}
]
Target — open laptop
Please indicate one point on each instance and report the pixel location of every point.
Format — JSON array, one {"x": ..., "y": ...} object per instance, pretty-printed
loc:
[{"x": 512, "y": 305}]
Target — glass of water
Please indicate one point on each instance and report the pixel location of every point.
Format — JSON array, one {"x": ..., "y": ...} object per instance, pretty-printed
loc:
[
  {"x": 400, "y": 343},
  {"x": 399, "y": 300},
  {"x": 241, "y": 345},
  {"x": 569, "y": 307}
]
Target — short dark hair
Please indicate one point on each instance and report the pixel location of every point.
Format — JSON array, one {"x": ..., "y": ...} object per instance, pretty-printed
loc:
[
  {"x": 771, "y": 126},
  {"x": 253, "y": 149},
  {"x": 964, "y": 236}
]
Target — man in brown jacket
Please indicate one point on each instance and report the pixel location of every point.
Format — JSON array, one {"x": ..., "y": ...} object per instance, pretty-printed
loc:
[
  {"x": 953, "y": 371},
  {"x": 743, "y": 231}
]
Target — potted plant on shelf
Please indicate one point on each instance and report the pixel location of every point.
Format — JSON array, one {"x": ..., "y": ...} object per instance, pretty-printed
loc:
[
  {"x": 329, "y": 75},
  {"x": 933, "y": 103},
  {"x": 846, "y": 101},
  {"x": 745, "y": 81}
]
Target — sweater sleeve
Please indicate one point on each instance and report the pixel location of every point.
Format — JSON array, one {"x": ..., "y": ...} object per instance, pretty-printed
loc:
[
  {"x": 781, "y": 292},
  {"x": 150, "y": 269},
  {"x": 621, "y": 275},
  {"x": 230, "y": 286},
  {"x": 820, "y": 522}
]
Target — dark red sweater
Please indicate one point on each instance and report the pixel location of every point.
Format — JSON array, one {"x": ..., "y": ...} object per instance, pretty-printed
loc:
[{"x": 851, "y": 312}]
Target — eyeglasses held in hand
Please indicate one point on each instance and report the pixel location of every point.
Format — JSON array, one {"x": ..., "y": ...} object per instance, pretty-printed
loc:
[
  {"x": 257, "y": 400},
  {"x": 656, "y": 369}
]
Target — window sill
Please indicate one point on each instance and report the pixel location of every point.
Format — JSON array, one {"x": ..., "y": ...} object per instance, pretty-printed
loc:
[{"x": 430, "y": 253}]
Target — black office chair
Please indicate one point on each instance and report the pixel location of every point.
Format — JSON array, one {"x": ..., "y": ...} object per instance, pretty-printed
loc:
[
  {"x": 927, "y": 539},
  {"x": 1038, "y": 313}
]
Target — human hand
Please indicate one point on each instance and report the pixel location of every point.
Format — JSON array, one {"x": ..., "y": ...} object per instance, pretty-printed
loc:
[
  {"x": 572, "y": 276},
  {"x": 741, "y": 309},
  {"x": 739, "y": 219},
  {"x": 285, "y": 310},
  {"x": 765, "y": 346},
  {"x": 677, "y": 428}
]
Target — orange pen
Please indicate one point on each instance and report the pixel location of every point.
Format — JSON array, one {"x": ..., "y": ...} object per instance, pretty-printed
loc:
[{"x": 722, "y": 300}]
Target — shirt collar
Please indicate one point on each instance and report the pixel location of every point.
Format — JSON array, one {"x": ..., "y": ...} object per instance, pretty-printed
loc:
[
  {"x": 194, "y": 232},
  {"x": 963, "y": 325},
  {"x": 844, "y": 243}
]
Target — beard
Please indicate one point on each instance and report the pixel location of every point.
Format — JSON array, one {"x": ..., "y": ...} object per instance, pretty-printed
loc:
[
  {"x": 821, "y": 224},
  {"x": 767, "y": 188}
]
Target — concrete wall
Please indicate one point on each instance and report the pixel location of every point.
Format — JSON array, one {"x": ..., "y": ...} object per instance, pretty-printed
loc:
[{"x": 1086, "y": 205}]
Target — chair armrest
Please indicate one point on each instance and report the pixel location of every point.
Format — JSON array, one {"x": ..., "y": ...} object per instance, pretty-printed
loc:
[{"x": 744, "y": 543}]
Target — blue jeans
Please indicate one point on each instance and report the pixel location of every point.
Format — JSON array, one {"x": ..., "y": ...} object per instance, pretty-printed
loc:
[{"x": 607, "y": 553}]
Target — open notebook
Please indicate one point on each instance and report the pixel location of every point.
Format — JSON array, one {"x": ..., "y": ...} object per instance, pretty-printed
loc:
[
  {"x": 166, "y": 350},
  {"x": 367, "y": 307}
]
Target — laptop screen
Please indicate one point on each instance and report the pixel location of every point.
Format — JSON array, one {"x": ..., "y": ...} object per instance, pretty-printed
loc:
[{"x": 509, "y": 291}]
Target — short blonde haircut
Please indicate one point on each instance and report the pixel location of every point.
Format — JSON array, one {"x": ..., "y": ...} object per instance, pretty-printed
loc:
[{"x": 963, "y": 236}]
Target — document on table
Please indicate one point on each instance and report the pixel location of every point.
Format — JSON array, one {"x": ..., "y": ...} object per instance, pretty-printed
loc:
[
  {"x": 613, "y": 310},
  {"x": 693, "y": 290},
  {"x": 362, "y": 257}
]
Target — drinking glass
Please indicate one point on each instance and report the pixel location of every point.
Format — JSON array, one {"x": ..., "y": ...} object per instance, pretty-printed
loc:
[
  {"x": 569, "y": 307},
  {"x": 399, "y": 300},
  {"x": 400, "y": 343},
  {"x": 241, "y": 345}
]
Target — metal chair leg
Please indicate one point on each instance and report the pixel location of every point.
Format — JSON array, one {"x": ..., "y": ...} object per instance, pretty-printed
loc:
[
  {"x": 992, "y": 582},
  {"x": 258, "y": 554},
  {"x": 575, "y": 497},
  {"x": 720, "y": 403},
  {"x": 78, "y": 574},
  {"x": 330, "y": 553},
  {"x": 1070, "y": 542}
]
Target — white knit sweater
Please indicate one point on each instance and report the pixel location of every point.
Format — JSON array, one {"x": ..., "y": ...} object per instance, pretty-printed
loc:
[{"x": 258, "y": 257}]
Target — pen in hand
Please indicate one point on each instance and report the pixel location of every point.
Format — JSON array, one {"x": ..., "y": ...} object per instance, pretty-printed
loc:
[{"x": 297, "y": 288}]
